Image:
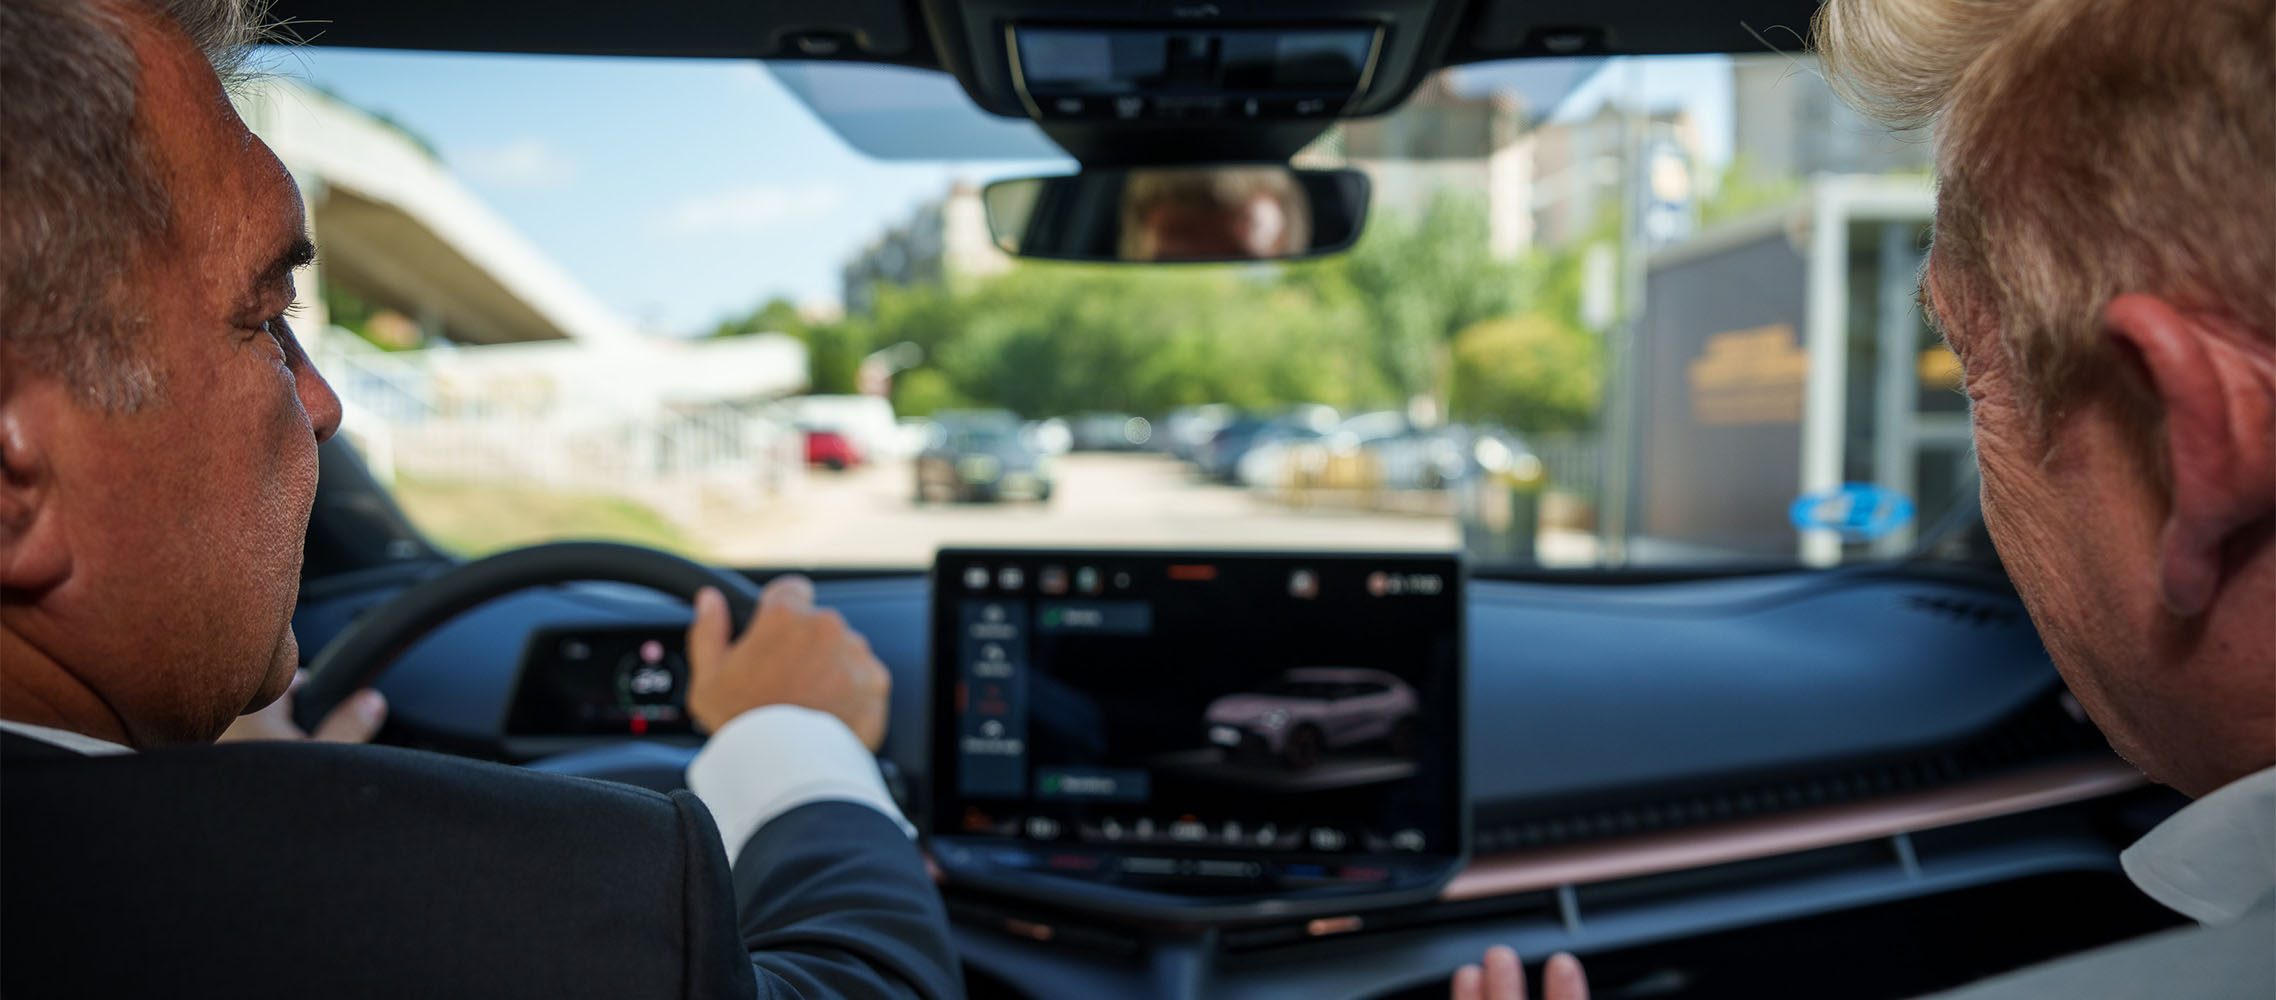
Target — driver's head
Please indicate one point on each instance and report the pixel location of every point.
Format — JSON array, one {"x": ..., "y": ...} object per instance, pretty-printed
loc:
[
  {"x": 158, "y": 422},
  {"x": 1213, "y": 214},
  {"x": 2105, "y": 266}
]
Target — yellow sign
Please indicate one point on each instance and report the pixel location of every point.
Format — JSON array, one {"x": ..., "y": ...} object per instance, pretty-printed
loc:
[
  {"x": 1939, "y": 368},
  {"x": 1747, "y": 377}
]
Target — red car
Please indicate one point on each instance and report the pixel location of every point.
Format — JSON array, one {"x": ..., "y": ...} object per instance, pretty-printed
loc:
[{"x": 831, "y": 449}]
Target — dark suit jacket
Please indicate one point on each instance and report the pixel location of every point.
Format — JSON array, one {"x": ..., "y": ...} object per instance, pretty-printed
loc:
[{"x": 313, "y": 870}]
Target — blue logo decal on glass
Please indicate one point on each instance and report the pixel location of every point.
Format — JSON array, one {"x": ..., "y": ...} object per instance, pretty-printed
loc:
[{"x": 1861, "y": 512}]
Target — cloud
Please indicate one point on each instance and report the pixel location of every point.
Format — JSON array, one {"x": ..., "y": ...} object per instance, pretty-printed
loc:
[
  {"x": 749, "y": 208},
  {"x": 527, "y": 162}
]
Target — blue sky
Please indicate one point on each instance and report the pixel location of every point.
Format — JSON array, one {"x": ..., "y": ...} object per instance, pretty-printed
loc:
[{"x": 684, "y": 191}]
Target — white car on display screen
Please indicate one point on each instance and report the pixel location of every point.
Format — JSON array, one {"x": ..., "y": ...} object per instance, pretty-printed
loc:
[{"x": 1315, "y": 709}]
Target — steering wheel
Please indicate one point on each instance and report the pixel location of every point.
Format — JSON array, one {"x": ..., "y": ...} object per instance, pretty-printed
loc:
[{"x": 365, "y": 649}]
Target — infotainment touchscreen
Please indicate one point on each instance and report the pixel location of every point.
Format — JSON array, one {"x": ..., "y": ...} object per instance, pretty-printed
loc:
[{"x": 1200, "y": 725}]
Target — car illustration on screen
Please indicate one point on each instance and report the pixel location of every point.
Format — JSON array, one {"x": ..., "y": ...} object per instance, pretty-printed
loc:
[{"x": 1311, "y": 710}]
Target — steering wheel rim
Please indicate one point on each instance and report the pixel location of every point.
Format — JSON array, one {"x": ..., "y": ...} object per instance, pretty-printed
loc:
[{"x": 363, "y": 652}]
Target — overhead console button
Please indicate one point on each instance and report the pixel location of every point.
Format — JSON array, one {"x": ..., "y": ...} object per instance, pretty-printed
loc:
[{"x": 1192, "y": 69}]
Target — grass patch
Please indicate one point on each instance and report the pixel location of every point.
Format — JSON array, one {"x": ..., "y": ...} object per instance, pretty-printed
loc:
[{"x": 477, "y": 519}]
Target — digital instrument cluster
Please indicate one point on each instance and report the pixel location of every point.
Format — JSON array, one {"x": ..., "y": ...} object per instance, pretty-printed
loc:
[{"x": 603, "y": 681}]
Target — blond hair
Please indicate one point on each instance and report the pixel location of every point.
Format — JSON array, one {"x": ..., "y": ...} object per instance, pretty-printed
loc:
[{"x": 2085, "y": 149}]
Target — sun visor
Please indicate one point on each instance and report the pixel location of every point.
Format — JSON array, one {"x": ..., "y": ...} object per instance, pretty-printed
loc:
[{"x": 899, "y": 113}]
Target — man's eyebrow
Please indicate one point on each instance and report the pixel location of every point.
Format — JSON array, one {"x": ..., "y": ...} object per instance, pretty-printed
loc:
[{"x": 301, "y": 253}]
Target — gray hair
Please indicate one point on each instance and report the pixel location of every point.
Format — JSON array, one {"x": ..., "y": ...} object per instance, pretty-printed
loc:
[{"x": 82, "y": 187}]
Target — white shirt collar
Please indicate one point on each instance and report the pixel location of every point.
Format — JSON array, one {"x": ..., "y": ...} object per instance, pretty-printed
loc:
[
  {"x": 2216, "y": 858},
  {"x": 68, "y": 740}
]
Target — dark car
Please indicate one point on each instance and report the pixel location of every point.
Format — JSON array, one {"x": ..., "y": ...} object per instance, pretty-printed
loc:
[
  {"x": 1110, "y": 431},
  {"x": 1218, "y": 457},
  {"x": 981, "y": 458}
]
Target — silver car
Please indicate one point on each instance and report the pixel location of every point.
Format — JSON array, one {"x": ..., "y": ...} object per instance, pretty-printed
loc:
[{"x": 1314, "y": 709}]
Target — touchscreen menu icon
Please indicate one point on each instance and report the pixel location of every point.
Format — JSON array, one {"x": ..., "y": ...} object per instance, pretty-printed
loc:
[{"x": 991, "y": 695}]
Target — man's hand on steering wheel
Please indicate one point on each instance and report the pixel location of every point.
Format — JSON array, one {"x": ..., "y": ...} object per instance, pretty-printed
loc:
[{"x": 792, "y": 654}]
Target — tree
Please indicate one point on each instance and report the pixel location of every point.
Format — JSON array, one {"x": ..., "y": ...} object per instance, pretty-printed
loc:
[
  {"x": 833, "y": 355},
  {"x": 778, "y": 315},
  {"x": 1419, "y": 282},
  {"x": 1531, "y": 372},
  {"x": 1370, "y": 329},
  {"x": 922, "y": 392}
]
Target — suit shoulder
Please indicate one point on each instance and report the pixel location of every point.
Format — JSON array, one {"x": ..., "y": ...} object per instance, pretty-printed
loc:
[{"x": 376, "y": 782}]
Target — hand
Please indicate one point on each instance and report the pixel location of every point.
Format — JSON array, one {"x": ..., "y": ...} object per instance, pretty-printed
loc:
[
  {"x": 1503, "y": 978},
  {"x": 792, "y": 654},
  {"x": 353, "y": 722}
]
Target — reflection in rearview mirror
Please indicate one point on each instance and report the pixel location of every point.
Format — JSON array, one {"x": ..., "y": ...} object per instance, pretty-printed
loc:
[{"x": 1184, "y": 214}]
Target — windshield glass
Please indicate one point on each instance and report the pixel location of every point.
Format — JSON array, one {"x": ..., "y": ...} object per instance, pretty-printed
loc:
[{"x": 1628, "y": 312}]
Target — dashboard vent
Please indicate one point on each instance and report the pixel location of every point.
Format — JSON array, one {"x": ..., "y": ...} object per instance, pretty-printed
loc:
[
  {"x": 2039, "y": 733},
  {"x": 1979, "y": 613}
]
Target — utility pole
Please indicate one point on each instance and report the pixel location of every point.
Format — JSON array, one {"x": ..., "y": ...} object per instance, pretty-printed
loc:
[{"x": 1618, "y": 453}]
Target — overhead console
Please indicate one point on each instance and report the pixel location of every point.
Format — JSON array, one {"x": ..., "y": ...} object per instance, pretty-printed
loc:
[
  {"x": 1189, "y": 80},
  {"x": 1197, "y": 738},
  {"x": 1098, "y": 73}
]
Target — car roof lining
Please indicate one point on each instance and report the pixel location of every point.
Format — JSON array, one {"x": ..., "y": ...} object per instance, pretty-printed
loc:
[{"x": 896, "y": 32}]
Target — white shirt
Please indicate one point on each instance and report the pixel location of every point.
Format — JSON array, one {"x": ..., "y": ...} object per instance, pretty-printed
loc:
[
  {"x": 2216, "y": 858},
  {"x": 2213, "y": 862},
  {"x": 770, "y": 760},
  {"x": 763, "y": 763},
  {"x": 68, "y": 740}
]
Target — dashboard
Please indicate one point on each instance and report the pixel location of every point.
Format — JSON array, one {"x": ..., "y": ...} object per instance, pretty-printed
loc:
[{"x": 1647, "y": 764}]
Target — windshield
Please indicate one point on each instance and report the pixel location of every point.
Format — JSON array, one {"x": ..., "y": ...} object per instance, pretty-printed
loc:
[{"x": 1630, "y": 312}]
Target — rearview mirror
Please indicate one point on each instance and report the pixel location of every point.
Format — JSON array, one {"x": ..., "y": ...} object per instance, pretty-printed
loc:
[{"x": 1186, "y": 214}]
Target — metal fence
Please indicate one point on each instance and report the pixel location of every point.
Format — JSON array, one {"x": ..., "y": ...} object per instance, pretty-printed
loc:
[
  {"x": 1572, "y": 461},
  {"x": 683, "y": 461}
]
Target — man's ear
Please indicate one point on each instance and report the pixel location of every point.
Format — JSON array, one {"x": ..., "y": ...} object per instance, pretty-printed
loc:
[
  {"x": 2218, "y": 393},
  {"x": 35, "y": 552}
]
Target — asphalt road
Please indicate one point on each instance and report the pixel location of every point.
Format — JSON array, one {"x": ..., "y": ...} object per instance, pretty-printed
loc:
[{"x": 866, "y": 517}]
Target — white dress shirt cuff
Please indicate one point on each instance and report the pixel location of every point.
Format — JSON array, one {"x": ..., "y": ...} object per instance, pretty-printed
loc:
[{"x": 773, "y": 759}]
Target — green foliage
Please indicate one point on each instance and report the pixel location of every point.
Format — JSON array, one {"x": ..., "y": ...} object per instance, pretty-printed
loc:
[
  {"x": 778, "y": 315},
  {"x": 1369, "y": 329},
  {"x": 1531, "y": 371},
  {"x": 834, "y": 349},
  {"x": 1746, "y": 188},
  {"x": 833, "y": 355},
  {"x": 922, "y": 392},
  {"x": 1419, "y": 282}
]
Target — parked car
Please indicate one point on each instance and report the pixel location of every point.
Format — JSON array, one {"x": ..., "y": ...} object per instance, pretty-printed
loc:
[
  {"x": 1280, "y": 456},
  {"x": 1050, "y": 436},
  {"x": 831, "y": 450},
  {"x": 1183, "y": 432},
  {"x": 1110, "y": 431},
  {"x": 982, "y": 458},
  {"x": 866, "y": 422},
  {"x": 1221, "y": 459},
  {"x": 1442, "y": 457},
  {"x": 1311, "y": 710}
]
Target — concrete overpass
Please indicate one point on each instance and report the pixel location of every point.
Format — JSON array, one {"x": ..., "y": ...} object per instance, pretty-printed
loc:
[{"x": 398, "y": 229}]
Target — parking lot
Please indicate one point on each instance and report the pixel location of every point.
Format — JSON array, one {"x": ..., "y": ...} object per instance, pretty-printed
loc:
[{"x": 866, "y": 517}]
